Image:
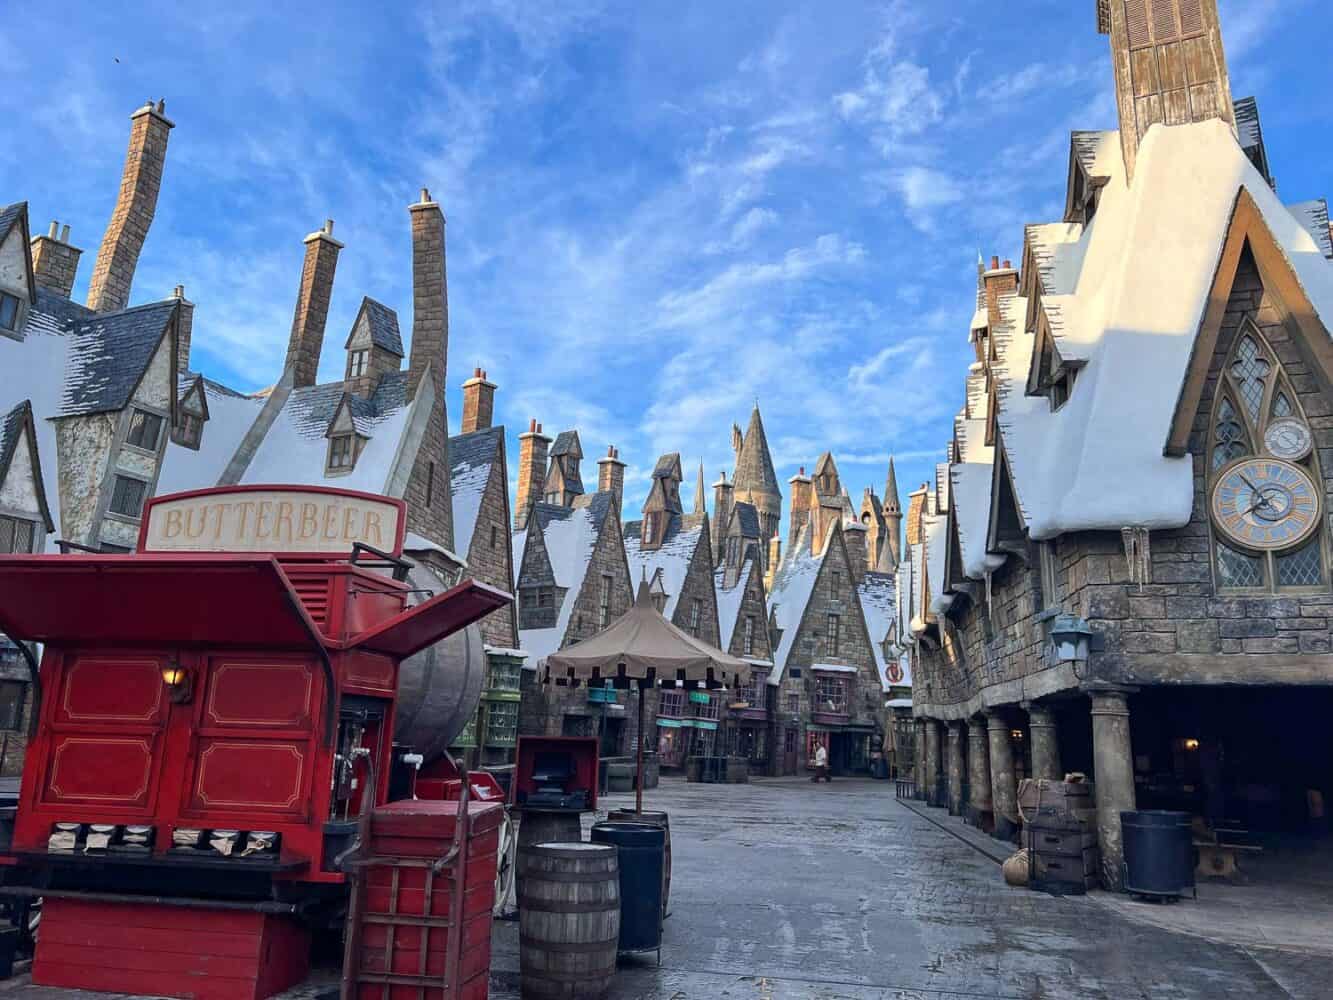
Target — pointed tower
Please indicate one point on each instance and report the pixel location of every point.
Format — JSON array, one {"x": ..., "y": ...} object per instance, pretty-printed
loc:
[
  {"x": 700, "y": 498},
  {"x": 891, "y": 553},
  {"x": 755, "y": 481}
]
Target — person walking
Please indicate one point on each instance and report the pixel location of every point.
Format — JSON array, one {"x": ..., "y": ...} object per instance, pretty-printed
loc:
[{"x": 821, "y": 764}]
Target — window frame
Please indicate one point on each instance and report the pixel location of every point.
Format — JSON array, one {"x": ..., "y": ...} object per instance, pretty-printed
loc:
[
  {"x": 747, "y": 636},
  {"x": 147, "y": 415},
  {"x": 358, "y": 362},
  {"x": 696, "y": 614},
  {"x": 188, "y": 431},
  {"x": 604, "y": 600},
  {"x": 831, "y": 689},
  {"x": 1227, "y": 389},
  {"x": 336, "y": 443},
  {"x": 832, "y": 633},
  {"x": 13, "y": 523},
  {"x": 117, "y": 478},
  {"x": 19, "y": 311}
]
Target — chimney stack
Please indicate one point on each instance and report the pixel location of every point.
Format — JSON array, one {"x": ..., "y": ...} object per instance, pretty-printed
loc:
[
  {"x": 118, "y": 256},
  {"x": 724, "y": 494},
  {"x": 800, "y": 505},
  {"x": 611, "y": 475},
  {"x": 184, "y": 328},
  {"x": 854, "y": 536},
  {"x": 1000, "y": 282},
  {"x": 430, "y": 296},
  {"x": 774, "y": 560},
  {"x": 478, "y": 402},
  {"x": 1170, "y": 67},
  {"x": 312, "y": 305},
  {"x": 532, "y": 447},
  {"x": 55, "y": 262}
]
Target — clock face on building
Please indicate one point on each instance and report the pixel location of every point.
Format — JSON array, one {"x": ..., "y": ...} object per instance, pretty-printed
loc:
[
  {"x": 1288, "y": 438},
  {"x": 1265, "y": 504}
]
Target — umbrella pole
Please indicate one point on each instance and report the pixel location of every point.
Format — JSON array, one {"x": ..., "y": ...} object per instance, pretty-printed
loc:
[{"x": 638, "y": 784}]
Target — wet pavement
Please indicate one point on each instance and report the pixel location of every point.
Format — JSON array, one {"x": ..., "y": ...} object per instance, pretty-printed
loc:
[{"x": 784, "y": 890}]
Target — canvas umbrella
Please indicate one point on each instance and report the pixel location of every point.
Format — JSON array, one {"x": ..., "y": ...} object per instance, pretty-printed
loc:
[{"x": 643, "y": 648}]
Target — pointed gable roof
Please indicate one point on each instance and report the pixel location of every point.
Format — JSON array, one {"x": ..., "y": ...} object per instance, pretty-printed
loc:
[
  {"x": 109, "y": 354},
  {"x": 754, "y": 463},
  {"x": 472, "y": 457},
  {"x": 382, "y": 323},
  {"x": 15, "y": 426},
  {"x": 567, "y": 443},
  {"x": 16, "y": 215},
  {"x": 671, "y": 559}
]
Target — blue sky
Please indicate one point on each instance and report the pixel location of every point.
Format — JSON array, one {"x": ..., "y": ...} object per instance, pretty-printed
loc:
[{"x": 657, "y": 212}]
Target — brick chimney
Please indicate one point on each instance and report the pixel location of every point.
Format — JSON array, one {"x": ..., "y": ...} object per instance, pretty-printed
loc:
[
  {"x": 916, "y": 509},
  {"x": 774, "y": 561},
  {"x": 532, "y": 447},
  {"x": 611, "y": 475},
  {"x": 478, "y": 402},
  {"x": 801, "y": 492},
  {"x": 1170, "y": 66},
  {"x": 854, "y": 537},
  {"x": 430, "y": 295},
  {"x": 312, "y": 305},
  {"x": 1001, "y": 281},
  {"x": 55, "y": 261},
  {"x": 118, "y": 256},
  {"x": 724, "y": 495},
  {"x": 184, "y": 329}
]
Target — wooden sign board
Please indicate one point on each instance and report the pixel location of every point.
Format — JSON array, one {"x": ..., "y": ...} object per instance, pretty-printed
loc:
[{"x": 284, "y": 520}]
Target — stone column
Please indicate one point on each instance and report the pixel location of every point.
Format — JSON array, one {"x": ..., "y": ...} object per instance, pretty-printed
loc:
[
  {"x": 1004, "y": 790},
  {"x": 934, "y": 763},
  {"x": 955, "y": 766},
  {"x": 1113, "y": 763},
  {"x": 978, "y": 763},
  {"x": 919, "y": 758},
  {"x": 1045, "y": 742}
]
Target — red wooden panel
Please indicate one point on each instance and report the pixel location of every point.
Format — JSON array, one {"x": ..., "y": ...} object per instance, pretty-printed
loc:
[
  {"x": 107, "y": 770},
  {"x": 259, "y": 693},
  {"x": 367, "y": 671},
  {"x": 106, "y": 690},
  {"x": 189, "y": 963},
  {"x": 269, "y": 775}
]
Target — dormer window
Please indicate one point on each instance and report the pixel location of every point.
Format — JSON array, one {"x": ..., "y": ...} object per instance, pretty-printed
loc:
[
  {"x": 9, "y": 312},
  {"x": 357, "y": 362},
  {"x": 342, "y": 453},
  {"x": 189, "y": 431},
  {"x": 1060, "y": 388}
]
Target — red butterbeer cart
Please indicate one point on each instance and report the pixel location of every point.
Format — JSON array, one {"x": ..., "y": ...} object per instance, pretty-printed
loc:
[{"x": 213, "y": 721}]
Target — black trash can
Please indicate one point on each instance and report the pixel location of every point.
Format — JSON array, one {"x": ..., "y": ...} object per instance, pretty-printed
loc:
[
  {"x": 642, "y": 848},
  {"x": 1159, "y": 852}
]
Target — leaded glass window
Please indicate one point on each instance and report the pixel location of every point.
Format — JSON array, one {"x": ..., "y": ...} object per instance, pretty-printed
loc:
[
  {"x": 1228, "y": 435},
  {"x": 1250, "y": 371},
  {"x": 1302, "y": 568},
  {"x": 1236, "y": 569},
  {"x": 1282, "y": 405}
]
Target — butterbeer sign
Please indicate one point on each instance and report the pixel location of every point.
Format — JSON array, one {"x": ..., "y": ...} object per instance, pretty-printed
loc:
[{"x": 289, "y": 520}]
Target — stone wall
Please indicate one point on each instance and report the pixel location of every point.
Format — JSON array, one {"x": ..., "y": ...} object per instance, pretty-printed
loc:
[
  {"x": 493, "y": 563},
  {"x": 752, "y": 604},
  {"x": 608, "y": 559},
  {"x": 698, "y": 586}
]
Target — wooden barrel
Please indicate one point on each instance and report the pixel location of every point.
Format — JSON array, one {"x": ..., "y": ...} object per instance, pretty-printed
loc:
[
  {"x": 568, "y": 920},
  {"x": 656, "y": 819},
  {"x": 544, "y": 826}
]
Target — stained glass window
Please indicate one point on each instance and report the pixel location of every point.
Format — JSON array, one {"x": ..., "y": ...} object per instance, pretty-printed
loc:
[
  {"x": 1302, "y": 568},
  {"x": 1282, "y": 406},
  {"x": 1250, "y": 371},
  {"x": 1236, "y": 569},
  {"x": 1229, "y": 435}
]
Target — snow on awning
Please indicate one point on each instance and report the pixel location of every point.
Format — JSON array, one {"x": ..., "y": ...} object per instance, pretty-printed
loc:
[{"x": 833, "y": 668}]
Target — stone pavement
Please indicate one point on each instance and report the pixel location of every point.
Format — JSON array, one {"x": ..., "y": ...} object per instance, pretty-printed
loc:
[{"x": 784, "y": 890}]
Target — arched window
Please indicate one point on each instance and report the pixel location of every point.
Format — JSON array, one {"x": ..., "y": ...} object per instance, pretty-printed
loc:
[{"x": 1253, "y": 392}]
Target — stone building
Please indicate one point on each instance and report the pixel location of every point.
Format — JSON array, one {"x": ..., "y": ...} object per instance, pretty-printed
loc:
[
  {"x": 827, "y": 680},
  {"x": 1123, "y": 568},
  {"x": 674, "y": 552},
  {"x": 572, "y": 580},
  {"x": 755, "y": 482}
]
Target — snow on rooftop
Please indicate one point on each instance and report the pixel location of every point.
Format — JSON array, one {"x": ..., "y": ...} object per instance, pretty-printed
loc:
[
  {"x": 792, "y": 587},
  {"x": 467, "y": 483},
  {"x": 672, "y": 558},
  {"x": 230, "y": 416},
  {"x": 878, "y": 594},
  {"x": 834, "y": 668},
  {"x": 1313, "y": 215},
  {"x": 1147, "y": 269},
  {"x": 729, "y": 600},
  {"x": 934, "y": 537}
]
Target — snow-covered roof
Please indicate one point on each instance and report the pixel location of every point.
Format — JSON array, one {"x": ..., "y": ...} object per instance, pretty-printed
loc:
[
  {"x": 471, "y": 457},
  {"x": 792, "y": 587},
  {"x": 1133, "y": 312},
  {"x": 42, "y": 357},
  {"x": 672, "y": 557},
  {"x": 109, "y": 354},
  {"x": 1313, "y": 215},
  {"x": 878, "y": 594},
  {"x": 834, "y": 668},
  {"x": 933, "y": 542},
  {"x": 230, "y": 416},
  {"x": 295, "y": 449},
  {"x": 730, "y": 599},
  {"x": 970, "y": 478}
]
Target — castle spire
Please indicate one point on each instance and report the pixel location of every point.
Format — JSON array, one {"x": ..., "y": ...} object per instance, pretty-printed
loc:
[
  {"x": 891, "y": 553},
  {"x": 700, "y": 501}
]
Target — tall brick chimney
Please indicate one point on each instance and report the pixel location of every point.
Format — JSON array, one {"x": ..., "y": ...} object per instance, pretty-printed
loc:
[
  {"x": 532, "y": 447},
  {"x": 774, "y": 560},
  {"x": 55, "y": 262},
  {"x": 118, "y": 256},
  {"x": 611, "y": 475},
  {"x": 430, "y": 295},
  {"x": 312, "y": 305},
  {"x": 854, "y": 537},
  {"x": 1000, "y": 282},
  {"x": 184, "y": 329},
  {"x": 724, "y": 496},
  {"x": 478, "y": 402},
  {"x": 801, "y": 492}
]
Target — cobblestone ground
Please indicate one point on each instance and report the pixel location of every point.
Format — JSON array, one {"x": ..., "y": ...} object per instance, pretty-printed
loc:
[{"x": 784, "y": 890}]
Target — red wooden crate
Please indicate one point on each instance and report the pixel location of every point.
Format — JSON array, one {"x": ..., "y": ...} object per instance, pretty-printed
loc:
[{"x": 168, "y": 951}]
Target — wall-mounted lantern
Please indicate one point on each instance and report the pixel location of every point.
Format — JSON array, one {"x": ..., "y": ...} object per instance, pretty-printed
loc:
[
  {"x": 179, "y": 682},
  {"x": 1071, "y": 639}
]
